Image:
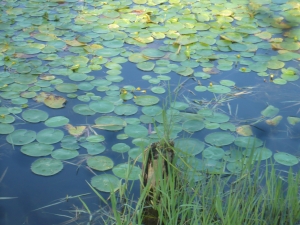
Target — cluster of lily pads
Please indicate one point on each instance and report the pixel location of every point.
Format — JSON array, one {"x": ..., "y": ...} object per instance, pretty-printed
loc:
[{"x": 57, "y": 51}]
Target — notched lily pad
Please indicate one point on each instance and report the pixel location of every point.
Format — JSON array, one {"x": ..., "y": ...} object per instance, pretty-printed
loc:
[
  {"x": 285, "y": 159},
  {"x": 101, "y": 163},
  {"x": 46, "y": 166}
]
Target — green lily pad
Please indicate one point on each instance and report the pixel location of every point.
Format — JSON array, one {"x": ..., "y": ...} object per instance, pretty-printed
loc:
[
  {"x": 66, "y": 88},
  {"x": 219, "y": 89},
  {"x": 36, "y": 149},
  {"x": 83, "y": 109},
  {"x": 193, "y": 125},
  {"x": 57, "y": 121},
  {"x": 219, "y": 138},
  {"x": 248, "y": 142},
  {"x": 102, "y": 106},
  {"x": 127, "y": 171},
  {"x": 46, "y": 166},
  {"x": 146, "y": 100},
  {"x": 270, "y": 111},
  {"x": 21, "y": 137},
  {"x": 293, "y": 120},
  {"x": 95, "y": 138},
  {"x": 285, "y": 159},
  {"x": 146, "y": 66},
  {"x": 64, "y": 154},
  {"x": 34, "y": 115},
  {"x": 136, "y": 131},
  {"x": 93, "y": 148},
  {"x": 101, "y": 163},
  {"x": 105, "y": 182},
  {"x": 49, "y": 136},
  {"x": 261, "y": 153},
  {"x": 125, "y": 109},
  {"x": 152, "y": 53},
  {"x": 213, "y": 153},
  {"x": 120, "y": 147},
  {"x": 6, "y": 128},
  {"x": 110, "y": 123},
  {"x": 189, "y": 146}
]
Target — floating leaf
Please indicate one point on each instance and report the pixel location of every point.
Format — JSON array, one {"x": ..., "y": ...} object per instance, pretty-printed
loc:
[
  {"x": 102, "y": 106},
  {"x": 146, "y": 100},
  {"x": 46, "y": 166},
  {"x": 101, "y": 163},
  {"x": 285, "y": 159},
  {"x": 64, "y": 154},
  {"x": 105, "y": 182},
  {"x": 244, "y": 130},
  {"x": 56, "y": 121},
  {"x": 127, "y": 171},
  {"x": 54, "y": 101},
  {"x": 213, "y": 153},
  {"x": 293, "y": 120},
  {"x": 34, "y": 115},
  {"x": 120, "y": 147},
  {"x": 21, "y": 137},
  {"x": 6, "y": 128},
  {"x": 261, "y": 153},
  {"x": 189, "y": 146},
  {"x": 109, "y": 123},
  {"x": 93, "y": 148},
  {"x": 248, "y": 142},
  {"x": 50, "y": 136},
  {"x": 95, "y": 138},
  {"x": 36, "y": 149},
  {"x": 76, "y": 131},
  {"x": 193, "y": 125},
  {"x": 274, "y": 121},
  {"x": 270, "y": 111},
  {"x": 219, "y": 138},
  {"x": 136, "y": 131}
]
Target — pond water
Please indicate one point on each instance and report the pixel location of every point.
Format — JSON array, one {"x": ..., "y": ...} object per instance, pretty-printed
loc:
[{"x": 84, "y": 86}]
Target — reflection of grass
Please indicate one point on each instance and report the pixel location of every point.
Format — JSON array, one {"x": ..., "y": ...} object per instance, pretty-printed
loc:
[
  {"x": 257, "y": 195},
  {"x": 1, "y": 178}
]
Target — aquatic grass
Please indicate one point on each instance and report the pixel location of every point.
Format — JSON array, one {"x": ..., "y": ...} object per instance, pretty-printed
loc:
[{"x": 259, "y": 194}]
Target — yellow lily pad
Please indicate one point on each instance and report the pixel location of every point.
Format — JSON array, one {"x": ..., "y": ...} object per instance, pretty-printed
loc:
[
  {"x": 54, "y": 102},
  {"x": 244, "y": 130},
  {"x": 75, "y": 130}
]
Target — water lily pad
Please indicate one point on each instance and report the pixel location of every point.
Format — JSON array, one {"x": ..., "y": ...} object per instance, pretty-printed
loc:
[
  {"x": 244, "y": 130},
  {"x": 120, "y": 147},
  {"x": 193, "y": 125},
  {"x": 261, "y": 153},
  {"x": 219, "y": 89},
  {"x": 36, "y": 149},
  {"x": 50, "y": 136},
  {"x": 110, "y": 123},
  {"x": 21, "y": 137},
  {"x": 102, "y": 106},
  {"x": 274, "y": 121},
  {"x": 152, "y": 110},
  {"x": 64, "y": 154},
  {"x": 56, "y": 121},
  {"x": 189, "y": 146},
  {"x": 270, "y": 111},
  {"x": 6, "y": 128},
  {"x": 158, "y": 90},
  {"x": 293, "y": 120},
  {"x": 248, "y": 142},
  {"x": 152, "y": 53},
  {"x": 127, "y": 171},
  {"x": 146, "y": 100},
  {"x": 136, "y": 131},
  {"x": 105, "y": 182},
  {"x": 213, "y": 153},
  {"x": 55, "y": 102},
  {"x": 34, "y": 115},
  {"x": 146, "y": 66},
  {"x": 125, "y": 109},
  {"x": 101, "y": 163},
  {"x": 95, "y": 138},
  {"x": 285, "y": 159},
  {"x": 83, "y": 109},
  {"x": 216, "y": 118},
  {"x": 219, "y": 138},
  {"x": 66, "y": 88},
  {"x": 46, "y": 166},
  {"x": 93, "y": 148}
]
